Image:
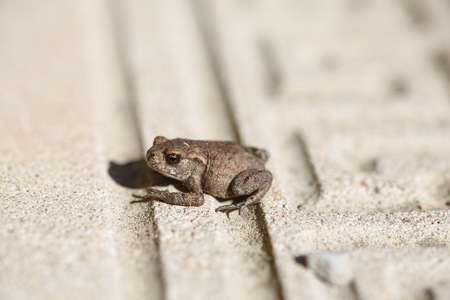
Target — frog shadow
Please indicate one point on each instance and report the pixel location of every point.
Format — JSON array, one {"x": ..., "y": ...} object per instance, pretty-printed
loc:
[{"x": 137, "y": 175}]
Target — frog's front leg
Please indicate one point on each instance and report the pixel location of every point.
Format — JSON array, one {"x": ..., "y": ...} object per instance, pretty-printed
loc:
[
  {"x": 254, "y": 183},
  {"x": 177, "y": 198}
]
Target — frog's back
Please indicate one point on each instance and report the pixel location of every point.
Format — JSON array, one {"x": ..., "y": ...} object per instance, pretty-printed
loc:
[{"x": 225, "y": 161}]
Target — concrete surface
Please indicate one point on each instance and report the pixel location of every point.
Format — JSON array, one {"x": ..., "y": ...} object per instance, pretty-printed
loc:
[{"x": 351, "y": 99}]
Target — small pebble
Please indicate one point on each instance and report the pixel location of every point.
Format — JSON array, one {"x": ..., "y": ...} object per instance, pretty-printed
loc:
[{"x": 332, "y": 267}]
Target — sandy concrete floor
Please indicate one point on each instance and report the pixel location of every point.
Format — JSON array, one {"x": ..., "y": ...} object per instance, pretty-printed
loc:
[{"x": 350, "y": 98}]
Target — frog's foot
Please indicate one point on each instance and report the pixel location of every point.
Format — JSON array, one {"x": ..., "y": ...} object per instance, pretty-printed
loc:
[
  {"x": 145, "y": 198},
  {"x": 229, "y": 208}
]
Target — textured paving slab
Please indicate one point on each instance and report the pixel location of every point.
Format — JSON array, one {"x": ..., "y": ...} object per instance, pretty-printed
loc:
[{"x": 351, "y": 99}]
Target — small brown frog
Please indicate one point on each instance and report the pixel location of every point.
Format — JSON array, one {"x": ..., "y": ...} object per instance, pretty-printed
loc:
[{"x": 224, "y": 170}]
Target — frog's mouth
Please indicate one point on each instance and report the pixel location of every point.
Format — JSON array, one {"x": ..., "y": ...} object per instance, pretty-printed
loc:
[
  {"x": 169, "y": 174},
  {"x": 155, "y": 167}
]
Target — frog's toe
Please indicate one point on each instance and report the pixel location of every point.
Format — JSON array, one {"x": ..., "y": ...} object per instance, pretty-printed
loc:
[
  {"x": 229, "y": 208},
  {"x": 137, "y": 196},
  {"x": 226, "y": 208},
  {"x": 151, "y": 190},
  {"x": 145, "y": 198}
]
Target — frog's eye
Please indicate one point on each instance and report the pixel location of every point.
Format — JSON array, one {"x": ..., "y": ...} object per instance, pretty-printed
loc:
[{"x": 173, "y": 158}]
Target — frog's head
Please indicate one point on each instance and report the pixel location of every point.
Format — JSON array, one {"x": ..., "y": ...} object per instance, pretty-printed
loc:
[{"x": 176, "y": 158}]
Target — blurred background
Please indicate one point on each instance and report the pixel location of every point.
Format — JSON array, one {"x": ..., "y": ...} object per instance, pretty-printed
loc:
[{"x": 351, "y": 98}]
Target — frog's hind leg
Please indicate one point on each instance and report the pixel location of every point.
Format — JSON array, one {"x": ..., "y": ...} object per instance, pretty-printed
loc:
[{"x": 254, "y": 183}]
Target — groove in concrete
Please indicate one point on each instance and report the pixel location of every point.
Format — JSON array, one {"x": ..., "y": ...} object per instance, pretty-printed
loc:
[
  {"x": 206, "y": 28},
  {"x": 272, "y": 67},
  {"x": 118, "y": 26},
  {"x": 441, "y": 61},
  {"x": 315, "y": 180},
  {"x": 155, "y": 236},
  {"x": 418, "y": 13},
  {"x": 427, "y": 294},
  {"x": 353, "y": 289},
  {"x": 268, "y": 249}
]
